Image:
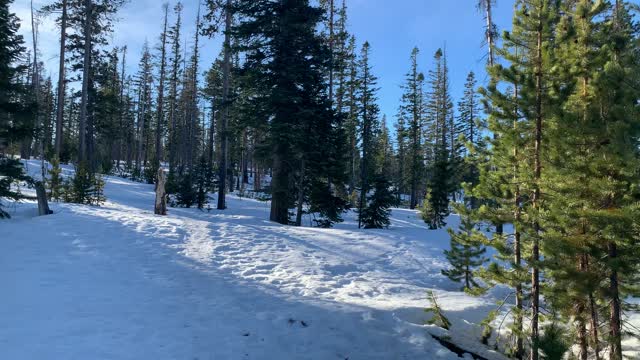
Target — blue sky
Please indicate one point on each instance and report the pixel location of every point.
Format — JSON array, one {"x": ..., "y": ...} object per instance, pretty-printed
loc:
[{"x": 392, "y": 28}]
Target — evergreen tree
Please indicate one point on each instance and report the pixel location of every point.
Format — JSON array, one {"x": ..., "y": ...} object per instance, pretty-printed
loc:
[
  {"x": 412, "y": 110},
  {"x": 439, "y": 319},
  {"x": 471, "y": 127},
  {"x": 466, "y": 254},
  {"x": 520, "y": 99},
  {"x": 289, "y": 84},
  {"x": 175, "y": 58},
  {"x": 16, "y": 109},
  {"x": 144, "y": 108},
  {"x": 11, "y": 171},
  {"x": 55, "y": 181},
  {"x": 439, "y": 112},
  {"x": 591, "y": 269},
  {"x": 368, "y": 111},
  {"x": 376, "y": 213}
]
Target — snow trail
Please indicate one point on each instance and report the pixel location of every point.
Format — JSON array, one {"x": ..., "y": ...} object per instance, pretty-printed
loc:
[{"x": 118, "y": 282}]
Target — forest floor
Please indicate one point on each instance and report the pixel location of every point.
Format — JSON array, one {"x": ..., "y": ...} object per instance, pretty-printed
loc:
[{"x": 118, "y": 282}]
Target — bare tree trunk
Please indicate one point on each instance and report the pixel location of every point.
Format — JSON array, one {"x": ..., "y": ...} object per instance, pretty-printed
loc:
[
  {"x": 61, "y": 82},
  {"x": 43, "y": 204},
  {"x": 490, "y": 34},
  {"x": 122, "y": 113},
  {"x": 245, "y": 158},
  {"x": 161, "y": 195},
  {"x": 300, "y": 192},
  {"x": 212, "y": 134},
  {"x": 160, "y": 112},
  {"x": 36, "y": 86},
  {"x": 86, "y": 73},
  {"x": 279, "y": 181},
  {"x": 224, "y": 144}
]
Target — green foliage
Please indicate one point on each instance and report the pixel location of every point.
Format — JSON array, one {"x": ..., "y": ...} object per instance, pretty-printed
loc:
[
  {"x": 465, "y": 255},
  {"x": 554, "y": 342},
  {"x": 327, "y": 205},
  {"x": 55, "y": 181},
  {"x": 487, "y": 329},
  {"x": 16, "y": 103},
  {"x": 438, "y": 192},
  {"x": 186, "y": 191},
  {"x": 202, "y": 182},
  {"x": 438, "y": 319},
  {"x": 85, "y": 187},
  {"x": 376, "y": 214},
  {"x": 150, "y": 173},
  {"x": 292, "y": 102},
  {"x": 11, "y": 171}
]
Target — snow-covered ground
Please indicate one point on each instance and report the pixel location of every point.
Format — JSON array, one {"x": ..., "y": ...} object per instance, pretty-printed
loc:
[{"x": 118, "y": 282}]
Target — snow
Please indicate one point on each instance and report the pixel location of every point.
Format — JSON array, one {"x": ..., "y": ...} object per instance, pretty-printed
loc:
[{"x": 118, "y": 282}]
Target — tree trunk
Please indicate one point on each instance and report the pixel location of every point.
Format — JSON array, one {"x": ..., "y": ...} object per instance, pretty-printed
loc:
[
  {"x": 161, "y": 195},
  {"x": 300, "y": 192},
  {"x": 490, "y": 37},
  {"x": 86, "y": 73},
  {"x": 43, "y": 204},
  {"x": 160, "y": 112},
  {"x": 123, "y": 111},
  {"x": 224, "y": 144},
  {"x": 61, "y": 82},
  {"x": 615, "y": 319},
  {"x": 279, "y": 183},
  {"x": 535, "y": 254},
  {"x": 594, "y": 326},
  {"x": 517, "y": 248},
  {"x": 580, "y": 317}
]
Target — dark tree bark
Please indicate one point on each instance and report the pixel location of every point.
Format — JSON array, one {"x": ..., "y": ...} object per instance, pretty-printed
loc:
[
  {"x": 224, "y": 144},
  {"x": 61, "y": 82}
]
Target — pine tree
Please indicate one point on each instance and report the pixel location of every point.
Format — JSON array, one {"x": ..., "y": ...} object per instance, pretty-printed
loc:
[
  {"x": 62, "y": 6},
  {"x": 175, "y": 58},
  {"x": 55, "y": 181},
  {"x": 471, "y": 128},
  {"x": 466, "y": 254},
  {"x": 217, "y": 12},
  {"x": 520, "y": 99},
  {"x": 291, "y": 93},
  {"x": 376, "y": 213},
  {"x": 368, "y": 111},
  {"x": 95, "y": 19},
  {"x": 161, "y": 88},
  {"x": 144, "y": 112},
  {"x": 439, "y": 319},
  {"x": 11, "y": 171},
  {"x": 412, "y": 110},
  {"x": 439, "y": 113},
  {"x": 16, "y": 109},
  {"x": 587, "y": 268}
]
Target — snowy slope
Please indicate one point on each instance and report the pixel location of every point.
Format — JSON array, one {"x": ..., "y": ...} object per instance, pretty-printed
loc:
[{"x": 118, "y": 282}]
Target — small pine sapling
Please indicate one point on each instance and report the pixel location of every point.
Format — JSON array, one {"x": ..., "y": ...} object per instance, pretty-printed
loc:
[
  {"x": 465, "y": 255},
  {"x": 97, "y": 190},
  {"x": 438, "y": 318},
  {"x": 55, "y": 181}
]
